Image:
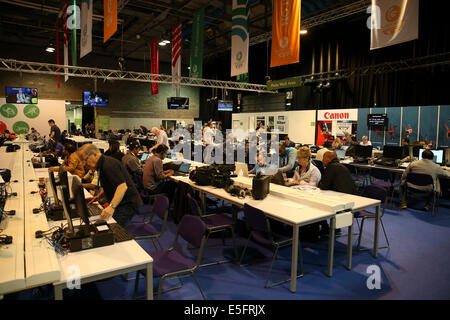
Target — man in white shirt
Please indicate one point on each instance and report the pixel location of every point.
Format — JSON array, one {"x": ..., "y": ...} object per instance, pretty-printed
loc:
[
  {"x": 327, "y": 146},
  {"x": 208, "y": 134},
  {"x": 161, "y": 138},
  {"x": 365, "y": 141}
]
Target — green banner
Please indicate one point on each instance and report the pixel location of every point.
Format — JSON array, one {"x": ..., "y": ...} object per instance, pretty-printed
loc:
[
  {"x": 103, "y": 123},
  {"x": 197, "y": 44},
  {"x": 243, "y": 78},
  {"x": 285, "y": 83}
]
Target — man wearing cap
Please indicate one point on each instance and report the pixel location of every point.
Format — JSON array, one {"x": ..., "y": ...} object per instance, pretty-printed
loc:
[{"x": 130, "y": 161}]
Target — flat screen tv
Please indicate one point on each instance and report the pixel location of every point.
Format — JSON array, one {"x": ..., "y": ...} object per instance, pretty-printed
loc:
[
  {"x": 377, "y": 121},
  {"x": 21, "y": 95},
  {"x": 178, "y": 103},
  {"x": 95, "y": 99},
  {"x": 225, "y": 105}
]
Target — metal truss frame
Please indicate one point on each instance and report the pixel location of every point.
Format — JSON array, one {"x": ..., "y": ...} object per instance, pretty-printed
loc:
[
  {"x": 107, "y": 74},
  {"x": 386, "y": 67}
]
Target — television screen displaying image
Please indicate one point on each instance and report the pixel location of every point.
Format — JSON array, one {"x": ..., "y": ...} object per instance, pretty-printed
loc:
[
  {"x": 225, "y": 105},
  {"x": 377, "y": 120},
  {"x": 178, "y": 103},
  {"x": 21, "y": 95},
  {"x": 97, "y": 99}
]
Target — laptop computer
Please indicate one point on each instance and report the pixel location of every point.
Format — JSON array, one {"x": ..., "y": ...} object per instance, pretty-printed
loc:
[
  {"x": 279, "y": 179},
  {"x": 144, "y": 156},
  {"x": 340, "y": 154},
  {"x": 183, "y": 170},
  {"x": 241, "y": 169}
]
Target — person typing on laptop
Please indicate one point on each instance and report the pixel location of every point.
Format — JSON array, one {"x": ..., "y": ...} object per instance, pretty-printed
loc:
[
  {"x": 306, "y": 173},
  {"x": 154, "y": 177}
]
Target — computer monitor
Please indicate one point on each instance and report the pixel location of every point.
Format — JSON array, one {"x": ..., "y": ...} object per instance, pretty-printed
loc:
[
  {"x": 63, "y": 179},
  {"x": 53, "y": 185},
  {"x": 340, "y": 154},
  {"x": 144, "y": 156},
  {"x": 184, "y": 167},
  {"x": 392, "y": 152},
  {"x": 80, "y": 201},
  {"x": 241, "y": 169},
  {"x": 66, "y": 206},
  {"x": 438, "y": 155},
  {"x": 344, "y": 148},
  {"x": 363, "y": 151},
  {"x": 415, "y": 151}
]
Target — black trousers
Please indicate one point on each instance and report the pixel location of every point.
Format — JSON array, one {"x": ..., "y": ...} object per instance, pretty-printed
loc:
[{"x": 168, "y": 187}]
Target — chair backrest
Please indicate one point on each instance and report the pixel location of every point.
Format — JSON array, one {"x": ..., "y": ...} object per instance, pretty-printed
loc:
[
  {"x": 375, "y": 192},
  {"x": 192, "y": 229},
  {"x": 419, "y": 179},
  {"x": 351, "y": 168},
  {"x": 319, "y": 165},
  {"x": 193, "y": 205},
  {"x": 381, "y": 174},
  {"x": 160, "y": 206},
  {"x": 256, "y": 219}
]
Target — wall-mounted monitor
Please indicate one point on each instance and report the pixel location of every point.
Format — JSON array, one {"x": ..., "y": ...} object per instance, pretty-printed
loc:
[
  {"x": 377, "y": 121},
  {"x": 95, "y": 99},
  {"x": 21, "y": 95},
  {"x": 178, "y": 103},
  {"x": 225, "y": 105}
]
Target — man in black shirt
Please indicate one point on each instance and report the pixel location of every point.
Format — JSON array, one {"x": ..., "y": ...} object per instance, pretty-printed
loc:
[
  {"x": 336, "y": 176},
  {"x": 55, "y": 132},
  {"x": 120, "y": 191}
]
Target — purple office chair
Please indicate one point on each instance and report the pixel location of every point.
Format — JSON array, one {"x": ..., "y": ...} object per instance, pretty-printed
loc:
[
  {"x": 171, "y": 262},
  {"x": 260, "y": 231},
  {"x": 382, "y": 178},
  {"x": 214, "y": 223},
  {"x": 145, "y": 230},
  {"x": 373, "y": 192}
]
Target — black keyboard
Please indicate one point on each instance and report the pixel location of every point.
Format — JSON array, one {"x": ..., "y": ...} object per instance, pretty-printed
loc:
[
  {"x": 94, "y": 209},
  {"x": 120, "y": 234}
]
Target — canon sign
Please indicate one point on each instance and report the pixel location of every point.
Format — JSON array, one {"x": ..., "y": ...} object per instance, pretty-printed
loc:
[{"x": 337, "y": 116}]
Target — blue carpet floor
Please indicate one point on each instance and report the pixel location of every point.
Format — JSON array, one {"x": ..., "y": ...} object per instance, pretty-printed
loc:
[{"x": 416, "y": 266}]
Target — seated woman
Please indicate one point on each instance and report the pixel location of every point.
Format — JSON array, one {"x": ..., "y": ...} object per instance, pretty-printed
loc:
[
  {"x": 72, "y": 163},
  {"x": 306, "y": 173}
]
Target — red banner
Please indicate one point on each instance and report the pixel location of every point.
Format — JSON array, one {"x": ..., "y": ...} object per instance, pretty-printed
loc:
[{"x": 154, "y": 60}]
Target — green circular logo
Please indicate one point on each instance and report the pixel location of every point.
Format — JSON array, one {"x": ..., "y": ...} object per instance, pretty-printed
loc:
[
  {"x": 8, "y": 110},
  {"x": 31, "y": 111},
  {"x": 21, "y": 127},
  {"x": 239, "y": 56}
]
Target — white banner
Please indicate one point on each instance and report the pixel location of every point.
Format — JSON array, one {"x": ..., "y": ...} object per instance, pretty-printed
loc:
[
  {"x": 337, "y": 114},
  {"x": 86, "y": 27},
  {"x": 239, "y": 38},
  {"x": 393, "y": 22}
]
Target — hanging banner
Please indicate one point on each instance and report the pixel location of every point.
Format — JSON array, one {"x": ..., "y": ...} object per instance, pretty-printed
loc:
[
  {"x": 176, "y": 56},
  {"x": 110, "y": 19},
  {"x": 154, "y": 62},
  {"x": 86, "y": 27},
  {"x": 243, "y": 78},
  {"x": 285, "y": 32},
  {"x": 74, "y": 33},
  {"x": 66, "y": 42},
  {"x": 239, "y": 38},
  {"x": 196, "y": 63},
  {"x": 393, "y": 22}
]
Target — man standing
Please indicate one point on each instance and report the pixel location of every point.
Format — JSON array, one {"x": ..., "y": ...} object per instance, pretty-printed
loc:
[
  {"x": 119, "y": 189},
  {"x": 55, "y": 132},
  {"x": 424, "y": 166},
  {"x": 161, "y": 138},
  {"x": 130, "y": 161}
]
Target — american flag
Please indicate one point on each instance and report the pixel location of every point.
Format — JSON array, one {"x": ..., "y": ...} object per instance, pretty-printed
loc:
[{"x": 176, "y": 56}]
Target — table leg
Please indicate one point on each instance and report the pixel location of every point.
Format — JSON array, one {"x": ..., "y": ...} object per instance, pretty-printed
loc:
[
  {"x": 377, "y": 228},
  {"x": 294, "y": 258},
  {"x": 203, "y": 202},
  {"x": 149, "y": 279},
  {"x": 350, "y": 246},
  {"x": 58, "y": 292},
  {"x": 331, "y": 246}
]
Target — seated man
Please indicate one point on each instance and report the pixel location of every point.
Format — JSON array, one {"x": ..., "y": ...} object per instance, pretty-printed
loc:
[
  {"x": 288, "y": 157},
  {"x": 114, "y": 150},
  {"x": 306, "y": 172},
  {"x": 72, "y": 163},
  {"x": 154, "y": 176},
  {"x": 130, "y": 161},
  {"x": 288, "y": 143},
  {"x": 118, "y": 187},
  {"x": 336, "y": 177},
  {"x": 424, "y": 166},
  {"x": 327, "y": 146}
]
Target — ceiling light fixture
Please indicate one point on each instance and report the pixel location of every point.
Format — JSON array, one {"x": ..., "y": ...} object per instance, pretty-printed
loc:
[
  {"x": 303, "y": 31},
  {"x": 50, "y": 48}
]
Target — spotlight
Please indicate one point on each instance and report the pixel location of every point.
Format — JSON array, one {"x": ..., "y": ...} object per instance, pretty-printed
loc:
[
  {"x": 327, "y": 85},
  {"x": 320, "y": 85},
  {"x": 50, "y": 48},
  {"x": 303, "y": 31}
]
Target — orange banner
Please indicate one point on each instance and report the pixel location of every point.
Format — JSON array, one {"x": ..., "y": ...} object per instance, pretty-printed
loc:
[
  {"x": 109, "y": 19},
  {"x": 285, "y": 32}
]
